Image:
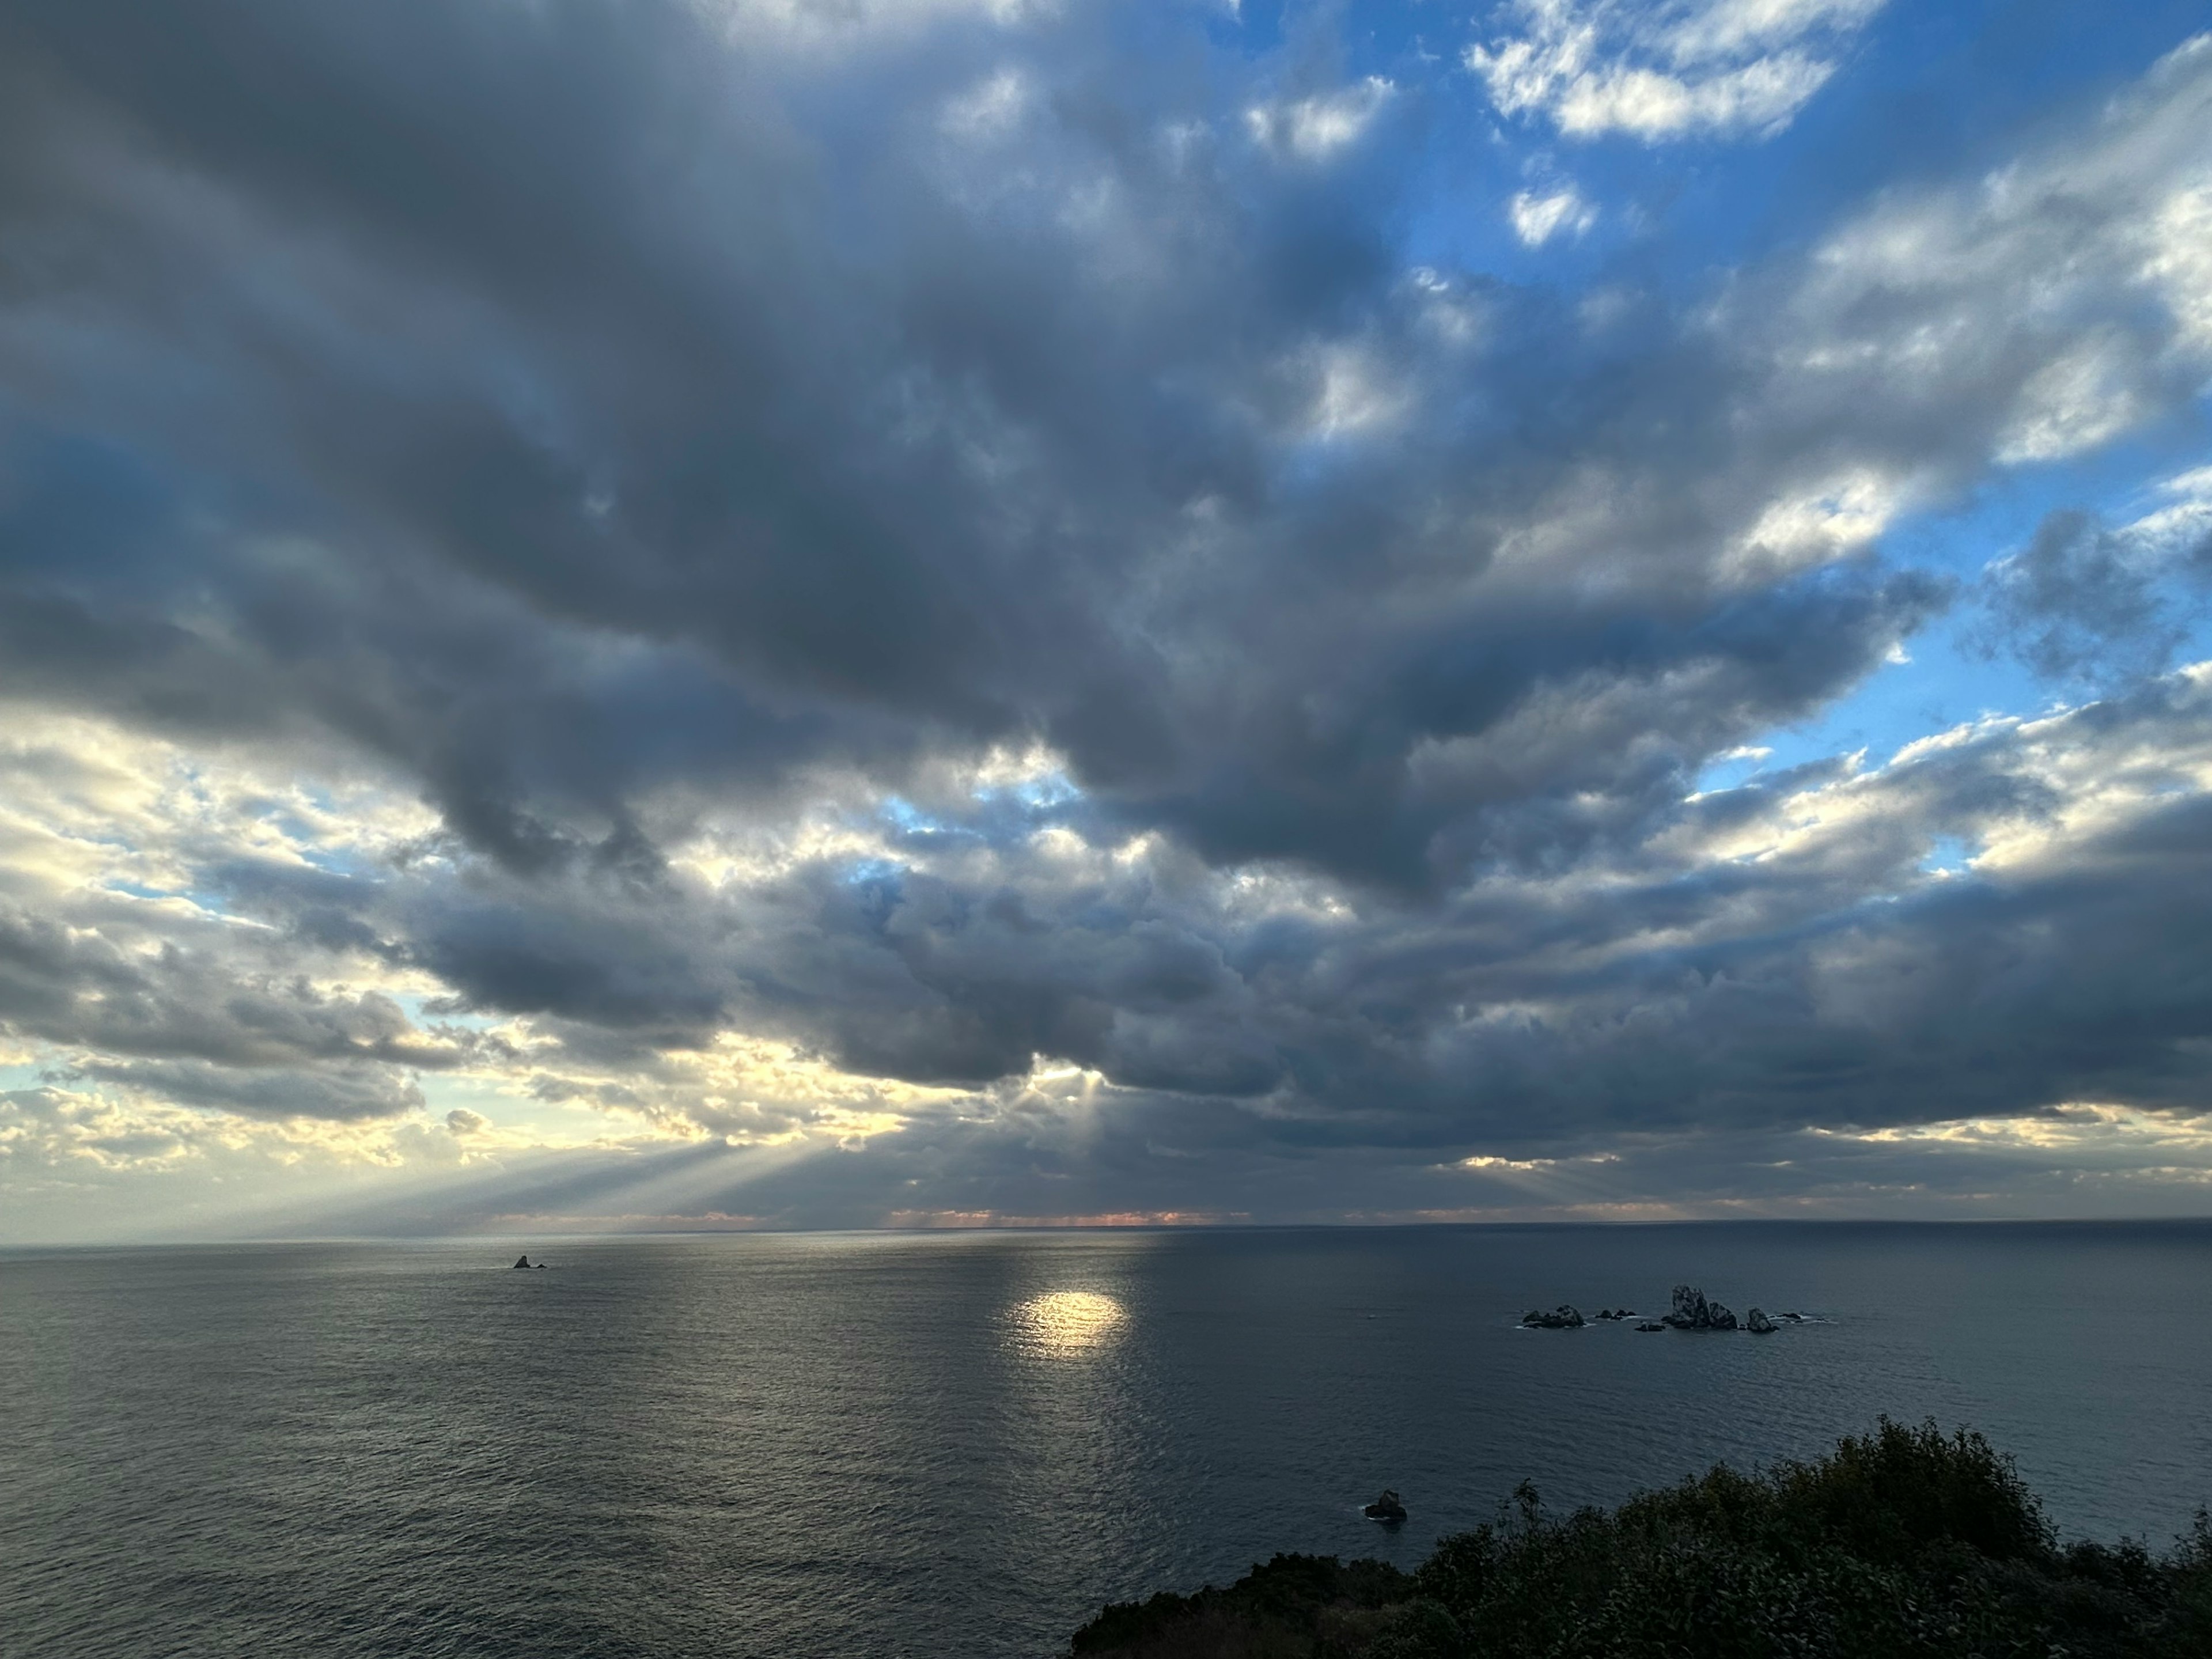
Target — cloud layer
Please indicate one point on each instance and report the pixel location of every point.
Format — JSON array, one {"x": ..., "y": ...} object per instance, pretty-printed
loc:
[
  {"x": 826, "y": 614},
  {"x": 1658, "y": 73}
]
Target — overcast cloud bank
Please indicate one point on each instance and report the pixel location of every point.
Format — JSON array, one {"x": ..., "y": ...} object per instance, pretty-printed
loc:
[{"x": 823, "y": 615}]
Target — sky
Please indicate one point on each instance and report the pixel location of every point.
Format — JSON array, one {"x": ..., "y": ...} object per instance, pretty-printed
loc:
[{"x": 630, "y": 614}]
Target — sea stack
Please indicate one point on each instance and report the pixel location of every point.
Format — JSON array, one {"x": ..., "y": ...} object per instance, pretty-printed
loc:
[
  {"x": 1386, "y": 1509},
  {"x": 1693, "y": 1313},
  {"x": 522, "y": 1260}
]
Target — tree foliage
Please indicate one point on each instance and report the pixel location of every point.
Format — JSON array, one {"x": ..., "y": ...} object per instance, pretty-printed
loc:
[{"x": 1906, "y": 1541}]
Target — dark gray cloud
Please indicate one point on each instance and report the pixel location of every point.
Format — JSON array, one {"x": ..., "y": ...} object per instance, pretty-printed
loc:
[
  {"x": 187, "y": 1025},
  {"x": 2085, "y": 603},
  {"x": 687, "y": 451},
  {"x": 549, "y": 406}
]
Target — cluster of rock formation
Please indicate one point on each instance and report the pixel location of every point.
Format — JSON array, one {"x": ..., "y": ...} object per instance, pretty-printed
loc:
[
  {"x": 1691, "y": 1312},
  {"x": 1561, "y": 1318}
]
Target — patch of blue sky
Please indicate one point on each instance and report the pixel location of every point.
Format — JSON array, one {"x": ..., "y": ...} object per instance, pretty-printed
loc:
[
  {"x": 1950, "y": 679},
  {"x": 905, "y": 817},
  {"x": 1946, "y": 856},
  {"x": 554, "y": 1120},
  {"x": 1956, "y": 669},
  {"x": 1002, "y": 813},
  {"x": 861, "y": 872},
  {"x": 1733, "y": 769},
  {"x": 27, "y": 1075},
  {"x": 138, "y": 889},
  {"x": 1041, "y": 793},
  {"x": 1924, "y": 95},
  {"x": 208, "y": 900},
  {"x": 348, "y": 861},
  {"x": 413, "y": 1004}
]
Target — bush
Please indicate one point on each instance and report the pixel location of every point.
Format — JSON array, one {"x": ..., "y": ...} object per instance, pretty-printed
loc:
[{"x": 1906, "y": 1541}]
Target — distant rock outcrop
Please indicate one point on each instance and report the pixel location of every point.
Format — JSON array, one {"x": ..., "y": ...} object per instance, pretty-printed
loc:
[
  {"x": 1759, "y": 1323},
  {"x": 1650, "y": 1325},
  {"x": 524, "y": 1262},
  {"x": 1561, "y": 1318},
  {"x": 1693, "y": 1313},
  {"x": 1386, "y": 1509}
]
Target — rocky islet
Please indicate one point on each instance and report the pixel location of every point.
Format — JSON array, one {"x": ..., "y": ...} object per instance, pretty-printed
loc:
[{"x": 1691, "y": 1310}]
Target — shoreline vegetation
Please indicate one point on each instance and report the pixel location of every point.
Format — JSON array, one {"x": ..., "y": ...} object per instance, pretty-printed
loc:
[{"x": 1903, "y": 1542}]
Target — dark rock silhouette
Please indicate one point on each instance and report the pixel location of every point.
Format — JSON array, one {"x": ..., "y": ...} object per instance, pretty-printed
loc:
[
  {"x": 1693, "y": 1313},
  {"x": 1561, "y": 1318},
  {"x": 1759, "y": 1323},
  {"x": 1650, "y": 1325},
  {"x": 1386, "y": 1509},
  {"x": 524, "y": 1260}
]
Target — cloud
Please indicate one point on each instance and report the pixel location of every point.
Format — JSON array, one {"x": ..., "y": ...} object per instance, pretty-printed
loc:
[
  {"x": 2077, "y": 583},
  {"x": 1315, "y": 127},
  {"x": 1537, "y": 219},
  {"x": 1712, "y": 68},
  {"x": 2097, "y": 605},
  {"x": 929, "y": 615}
]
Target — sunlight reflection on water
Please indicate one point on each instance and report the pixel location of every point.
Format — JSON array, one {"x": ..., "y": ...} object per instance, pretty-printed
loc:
[{"x": 1067, "y": 1323}]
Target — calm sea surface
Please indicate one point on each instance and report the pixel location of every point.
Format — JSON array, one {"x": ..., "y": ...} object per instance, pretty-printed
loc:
[{"x": 962, "y": 1445}]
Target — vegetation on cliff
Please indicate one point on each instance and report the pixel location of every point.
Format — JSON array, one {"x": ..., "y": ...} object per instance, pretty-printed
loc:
[{"x": 1903, "y": 1542}]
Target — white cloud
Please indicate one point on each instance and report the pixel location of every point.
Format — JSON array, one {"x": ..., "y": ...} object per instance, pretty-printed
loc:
[
  {"x": 820, "y": 24},
  {"x": 1352, "y": 394},
  {"x": 2180, "y": 262},
  {"x": 1716, "y": 67},
  {"x": 989, "y": 107},
  {"x": 1811, "y": 527},
  {"x": 1537, "y": 219},
  {"x": 1313, "y": 129},
  {"x": 2052, "y": 306},
  {"x": 2184, "y": 524},
  {"x": 2074, "y": 402}
]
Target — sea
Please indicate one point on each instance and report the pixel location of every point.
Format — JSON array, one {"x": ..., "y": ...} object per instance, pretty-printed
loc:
[{"x": 740, "y": 1446}]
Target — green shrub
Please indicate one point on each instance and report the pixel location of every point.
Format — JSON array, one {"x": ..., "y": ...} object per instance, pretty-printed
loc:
[{"x": 1904, "y": 1542}]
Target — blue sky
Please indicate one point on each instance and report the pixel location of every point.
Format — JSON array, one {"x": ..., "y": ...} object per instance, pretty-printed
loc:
[{"x": 969, "y": 612}]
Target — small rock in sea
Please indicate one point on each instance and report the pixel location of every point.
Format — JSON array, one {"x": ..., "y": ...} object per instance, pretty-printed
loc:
[
  {"x": 1386, "y": 1509},
  {"x": 522, "y": 1260},
  {"x": 1650, "y": 1325},
  {"x": 1561, "y": 1318},
  {"x": 1759, "y": 1323}
]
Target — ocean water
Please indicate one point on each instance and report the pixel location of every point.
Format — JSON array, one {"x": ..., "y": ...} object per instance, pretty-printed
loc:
[{"x": 962, "y": 1445}]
